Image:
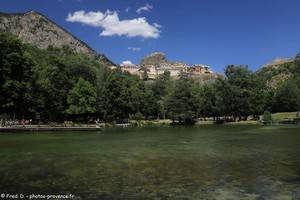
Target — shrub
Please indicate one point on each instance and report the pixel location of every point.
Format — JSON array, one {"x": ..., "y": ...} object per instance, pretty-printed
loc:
[{"x": 267, "y": 118}]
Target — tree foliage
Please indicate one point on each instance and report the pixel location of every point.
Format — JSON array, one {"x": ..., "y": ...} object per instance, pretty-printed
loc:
[
  {"x": 82, "y": 98},
  {"x": 182, "y": 103},
  {"x": 15, "y": 77},
  {"x": 57, "y": 83}
]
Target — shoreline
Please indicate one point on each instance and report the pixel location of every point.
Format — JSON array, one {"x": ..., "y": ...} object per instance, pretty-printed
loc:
[
  {"x": 46, "y": 128},
  {"x": 33, "y": 128}
]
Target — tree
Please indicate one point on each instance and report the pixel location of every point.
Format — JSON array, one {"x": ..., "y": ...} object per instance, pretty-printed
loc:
[
  {"x": 160, "y": 85},
  {"x": 161, "y": 88},
  {"x": 54, "y": 82},
  {"x": 55, "y": 71},
  {"x": 287, "y": 97},
  {"x": 151, "y": 105},
  {"x": 259, "y": 96},
  {"x": 208, "y": 101},
  {"x": 82, "y": 98},
  {"x": 15, "y": 77},
  {"x": 237, "y": 94},
  {"x": 115, "y": 99},
  {"x": 182, "y": 102}
]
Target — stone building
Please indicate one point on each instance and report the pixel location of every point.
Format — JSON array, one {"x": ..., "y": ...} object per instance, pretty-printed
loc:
[
  {"x": 199, "y": 69},
  {"x": 132, "y": 69}
]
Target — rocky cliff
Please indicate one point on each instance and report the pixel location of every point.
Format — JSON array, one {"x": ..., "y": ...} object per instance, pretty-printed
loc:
[
  {"x": 279, "y": 71},
  {"x": 34, "y": 28},
  {"x": 155, "y": 58}
]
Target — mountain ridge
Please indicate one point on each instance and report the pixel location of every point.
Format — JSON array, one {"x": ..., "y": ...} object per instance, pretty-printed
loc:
[
  {"x": 35, "y": 28},
  {"x": 279, "y": 70}
]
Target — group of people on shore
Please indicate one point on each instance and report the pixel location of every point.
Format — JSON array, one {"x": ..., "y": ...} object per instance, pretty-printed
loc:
[{"x": 14, "y": 122}]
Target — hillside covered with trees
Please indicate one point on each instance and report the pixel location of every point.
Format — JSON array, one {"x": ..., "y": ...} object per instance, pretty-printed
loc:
[{"x": 57, "y": 84}]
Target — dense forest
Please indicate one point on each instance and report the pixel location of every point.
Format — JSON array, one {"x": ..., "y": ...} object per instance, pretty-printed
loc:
[{"x": 58, "y": 85}]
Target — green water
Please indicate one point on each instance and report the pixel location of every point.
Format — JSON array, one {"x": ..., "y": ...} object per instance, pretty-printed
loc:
[{"x": 207, "y": 162}]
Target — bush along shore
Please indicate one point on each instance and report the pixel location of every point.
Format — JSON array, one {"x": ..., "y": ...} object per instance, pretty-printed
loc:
[{"x": 59, "y": 85}]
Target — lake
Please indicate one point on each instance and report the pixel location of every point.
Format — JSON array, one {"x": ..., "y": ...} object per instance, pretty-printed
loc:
[{"x": 242, "y": 162}]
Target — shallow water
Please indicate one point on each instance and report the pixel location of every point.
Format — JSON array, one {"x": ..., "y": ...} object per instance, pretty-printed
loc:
[{"x": 209, "y": 162}]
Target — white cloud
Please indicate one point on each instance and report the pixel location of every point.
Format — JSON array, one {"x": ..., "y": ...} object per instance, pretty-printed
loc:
[
  {"x": 134, "y": 48},
  {"x": 127, "y": 9},
  {"x": 157, "y": 25},
  {"x": 146, "y": 7},
  {"x": 112, "y": 25},
  {"x": 127, "y": 63}
]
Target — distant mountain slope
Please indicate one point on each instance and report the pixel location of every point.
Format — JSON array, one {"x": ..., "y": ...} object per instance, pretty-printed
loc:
[
  {"x": 280, "y": 70},
  {"x": 34, "y": 28}
]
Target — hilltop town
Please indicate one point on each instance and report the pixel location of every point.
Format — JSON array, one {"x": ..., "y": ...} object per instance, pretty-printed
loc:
[{"x": 156, "y": 63}]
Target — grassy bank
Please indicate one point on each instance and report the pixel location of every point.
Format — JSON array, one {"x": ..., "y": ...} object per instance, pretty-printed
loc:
[{"x": 283, "y": 116}]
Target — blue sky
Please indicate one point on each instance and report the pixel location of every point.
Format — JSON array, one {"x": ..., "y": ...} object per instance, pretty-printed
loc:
[{"x": 212, "y": 32}]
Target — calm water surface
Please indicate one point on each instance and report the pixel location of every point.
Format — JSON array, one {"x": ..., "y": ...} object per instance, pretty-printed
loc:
[{"x": 207, "y": 162}]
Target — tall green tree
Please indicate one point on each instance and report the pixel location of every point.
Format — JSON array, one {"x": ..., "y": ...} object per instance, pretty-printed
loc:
[
  {"x": 260, "y": 94},
  {"x": 115, "y": 99},
  {"x": 287, "y": 97},
  {"x": 160, "y": 85},
  {"x": 238, "y": 93},
  {"x": 208, "y": 101},
  {"x": 161, "y": 88},
  {"x": 182, "y": 102},
  {"x": 82, "y": 98},
  {"x": 15, "y": 77}
]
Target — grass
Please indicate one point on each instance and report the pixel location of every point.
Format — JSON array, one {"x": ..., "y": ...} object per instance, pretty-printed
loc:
[
  {"x": 275, "y": 116},
  {"x": 283, "y": 116},
  {"x": 151, "y": 122},
  {"x": 245, "y": 122}
]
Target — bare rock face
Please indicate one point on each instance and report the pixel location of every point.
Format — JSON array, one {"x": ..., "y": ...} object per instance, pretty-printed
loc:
[
  {"x": 34, "y": 28},
  {"x": 154, "y": 59},
  {"x": 279, "y": 70},
  {"x": 278, "y": 62}
]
